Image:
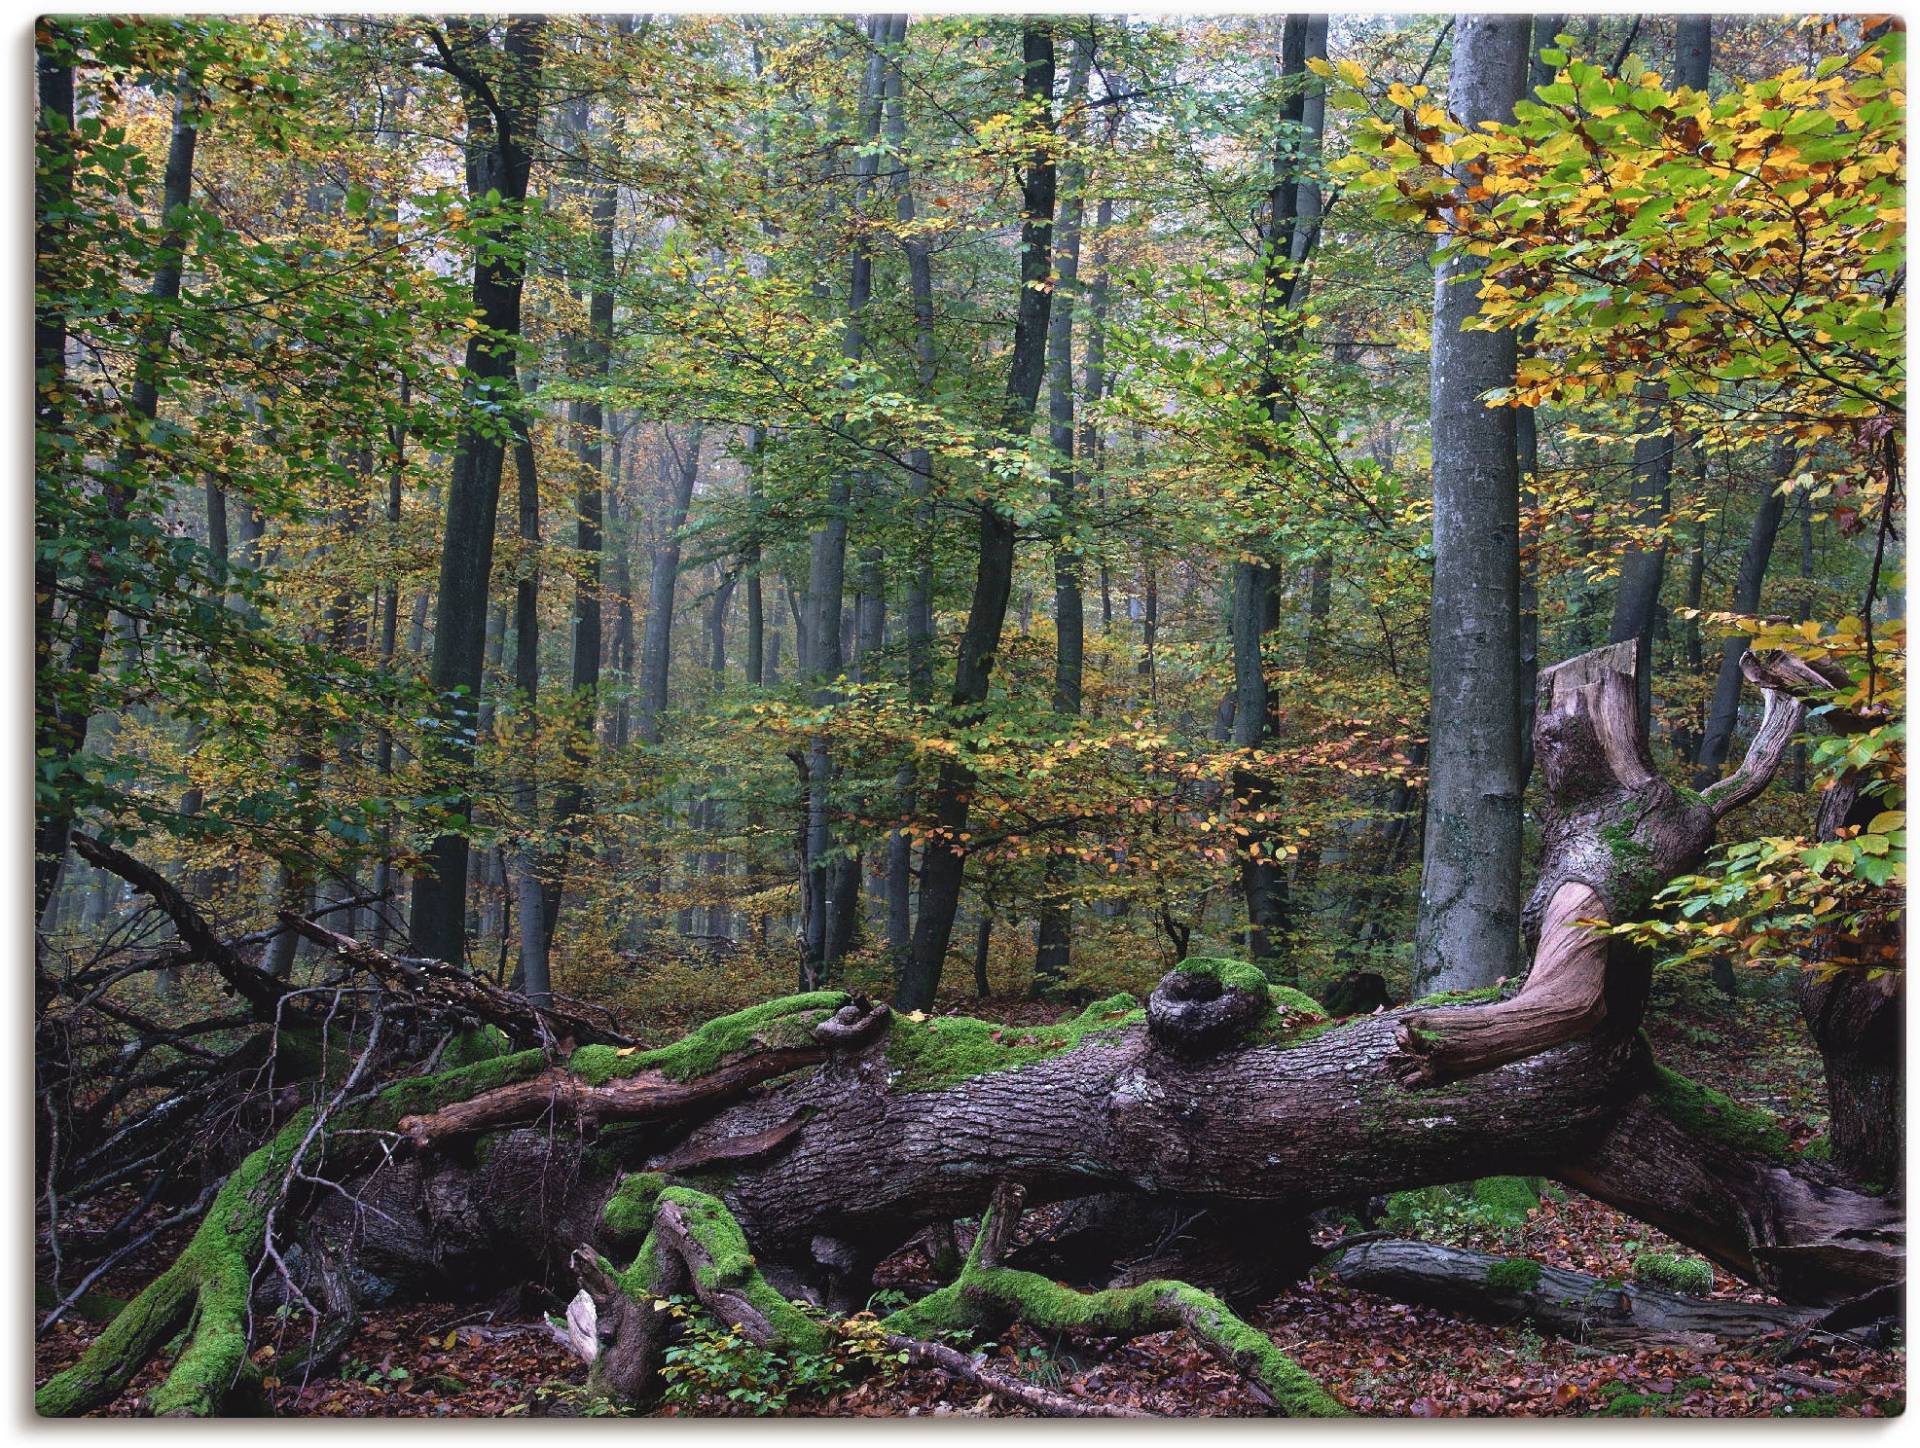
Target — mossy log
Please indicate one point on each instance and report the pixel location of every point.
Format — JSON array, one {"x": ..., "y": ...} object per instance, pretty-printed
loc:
[
  {"x": 1571, "y": 1304},
  {"x": 783, "y": 1151}
]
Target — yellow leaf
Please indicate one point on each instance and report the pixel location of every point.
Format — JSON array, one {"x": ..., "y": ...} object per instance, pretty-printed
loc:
[
  {"x": 1887, "y": 821},
  {"x": 1351, "y": 73}
]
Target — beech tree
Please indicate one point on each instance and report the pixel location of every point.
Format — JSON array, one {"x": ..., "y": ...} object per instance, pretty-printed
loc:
[{"x": 1470, "y": 872}]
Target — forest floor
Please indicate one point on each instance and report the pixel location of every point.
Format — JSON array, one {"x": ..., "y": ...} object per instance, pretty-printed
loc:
[{"x": 1377, "y": 1356}]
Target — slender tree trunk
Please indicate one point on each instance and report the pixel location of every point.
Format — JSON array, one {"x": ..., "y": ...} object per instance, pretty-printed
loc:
[
  {"x": 756, "y": 649},
  {"x": 943, "y": 862},
  {"x": 620, "y": 522},
  {"x": 656, "y": 639},
  {"x": 1255, "y": 599},
  {"x": 502, "y": 114},
  {"x": 1469, "y": 927},
  {"x": 389, "y": 642},
  {"x": 1054, "y": 939},
  {"x": 61, "y": 722},
  {"x": 532, "y": 975},
  {"x": 1722, "y": 714},
  {"x": 826, "y": 894},
  {"x": 919, "y": 602}
]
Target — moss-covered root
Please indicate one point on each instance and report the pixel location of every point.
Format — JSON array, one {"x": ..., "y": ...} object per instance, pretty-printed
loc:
[
  {"x": 725, "y": 1278},
  {"x": 693, "y": 1244},
  {"x": 205, "y": 1290},
  {"x": 987, "y": 1295},
  {"x": 207, "y": 1287}
]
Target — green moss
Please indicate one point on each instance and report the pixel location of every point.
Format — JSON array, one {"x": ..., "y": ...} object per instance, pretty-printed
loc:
[
  {"x": 1703, "y": 1110},
  {"x": 419, "y": 1095},
  {"x": 204, "y": 1290},
  {"x": 1819, "y": 1149},
  {"x": 1687, "y": 1275},
  {"x": 481, "y": 1044},
  {"x": 1635, "y": 879},
  {"x": 1634, "y": 1405},
  {"x": 928, "y": 1055},
  {"x": 784, "y": 1022},
  {"x": 982, "y": 1295},
  {"x": 1514, "y": 1274},
  {"x": 1126, "y": 1312},
  {"x": 1274, "y": 1032},
  {"x": 1235, "y": 974},
  {"x": 1463, "y": 997},
  {"x": 628, "y": 1213},
  {"x": 732, "y": 1268},
  {"x": 1295, "y": 1002},
  {"x": 1506, "y": 1200}
]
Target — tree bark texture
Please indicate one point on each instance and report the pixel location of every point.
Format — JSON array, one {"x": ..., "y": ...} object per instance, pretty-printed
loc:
[{"x": 1468, "y": 931}]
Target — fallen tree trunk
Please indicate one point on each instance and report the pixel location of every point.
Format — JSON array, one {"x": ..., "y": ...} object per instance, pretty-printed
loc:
[
  {"x": 1572, "y": 1304},
  {"x": 781, "y": 1152}
]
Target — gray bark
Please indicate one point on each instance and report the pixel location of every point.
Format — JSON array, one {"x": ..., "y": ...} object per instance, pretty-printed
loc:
[
  {"x": 1054, "y": 941},
  {"x": 1469, "y": 926},
  {"x": 829, "y": 901}
]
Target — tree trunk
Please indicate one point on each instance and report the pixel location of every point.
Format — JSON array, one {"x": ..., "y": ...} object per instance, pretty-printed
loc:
[
  {"x": 532, "y": 976},
  {"x": 943, "y": 861},
  {"x": 827, "y": 920},
  {"x": 1256, "y": 600},
  {"x": 571, "y": 803},
  {"x": 61, "y": 722},
  {"x": 502, "y": 112},
  {"x": 1468, "y": 932},
  {"x": 1723, "y": 712},
  {"x": 1853, "y": 998},
  {"x": 656, "y": 639},
  {"x": 1053, "y": 948}
]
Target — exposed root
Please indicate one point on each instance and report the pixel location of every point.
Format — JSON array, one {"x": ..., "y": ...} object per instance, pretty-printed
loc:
[
  {"x": 972, "y": 1368},
  {"x": 695, "y": 1245},
  {"x": 987, "y": 1295},
  {"x": 206, "y": 1288}
]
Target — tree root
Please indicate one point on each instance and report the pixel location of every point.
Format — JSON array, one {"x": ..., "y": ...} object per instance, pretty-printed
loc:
[
  {"x": 206, "y": 1289},
  {"x": 695, "y": 1245},
  {"x": 987, "y": 1294}
]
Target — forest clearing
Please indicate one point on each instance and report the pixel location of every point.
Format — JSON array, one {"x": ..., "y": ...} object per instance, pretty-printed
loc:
[{"x": 1085, "y": 715}]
